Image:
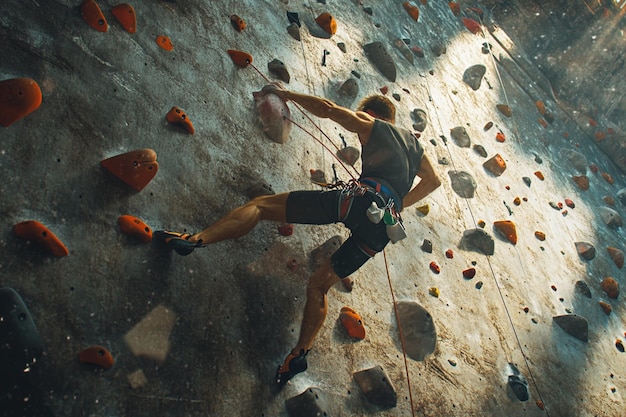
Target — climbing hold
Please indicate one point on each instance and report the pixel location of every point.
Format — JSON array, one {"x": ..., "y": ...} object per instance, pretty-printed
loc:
[
  {"x": 417, "y": 51},
  {"x": 619, "y": 345},
  {"x": 434, "y": 291},
  {"x": 318, "y": 176},
  {"x": 496, "y": 165},
  {"x": 473, "y": 76},
  {"x": 327, "y": 22},
  {"x": 380, "y": 58},
  {"x": 539, "y": 175},
  {"x": 577, "y": 160},
  {"x": 438, "y": 49},
  {"x": 449, "y": 254},
  {"x": 424, "y": 209},
  {"x": 427, "y": 246},
  {"x": 274, "y": 116},
  {"x": 479, "y": 240},
  {"x": 294, "y": 31},
  {"x": 134, "y": 226},
  {"x": 600, "y": 136},
  {"x": 549, "y": 117},
  {"x": 488, "y": 126},
  {"x": 96, "y": 355},
  {"x": 506, "y": 229},
  {"x": 150, "y": 337},
  {"x": 621, "y": 196},
  {"x": 349, "y": 88},
  {"x": 91, "y": 12},
  {"x": 241, "y": 59},
  {"x": 18, "y": 98},
  {"x": 505, "y": 109},
  {"x": 469, "y": 273},
  {"x": 177, "y": 115},
  {"x": 310, "y": 403},
  {"x": 481, "y": 224},
  {"x": 164, "y": 42},
  {"x": 460, "y": 137},
  {"x": 611, "y": 287},
  {"x": 518, "y": 384},
  {"x": 136, "y": 168},
  {"x": 574, "y": 325},
  {"x": 434, "y": 267},
  {"x": 517, "y": 201},
  {"x": 540, "y": 235},
  {"x": 462, "y": 183},
  {"x": 609, "y": 200},
  {"x": 418, "y": 329},
  {"x": 606, "y": 307},
  {"x": 585, "y": 250},
  {"x": 125, "y": 14},
  {"x": 237, "y": 22},
  {"x": 411, "y": 9},
  {"x": 582, "y": 288},
  {"x": 500, "y": 137},
  {"x": 293, "y": 18},
  {"x": 555, "y": 205},
  {"x": 421, "y": 120},
  {"x": 617, "y": 256},
  {"x": 543, "y": 123},
  {"x": 352, "y": 322},
  {"x": 454, "y": 7},
  {"x": 349, "y": 155},
  {"x": 278, "y": 69},
  {"x": 376, "y": 387},
  {"x": 471, "y": 25},
  {"x": 608, "y": 178},
  {"x": 34, "y": 231},
  {"x": 569, "y": 203},
  {"x": 480, "y": 150},
  {"x": 323, "y": 252},
  {"x": 581, "y": 181},
  {"x": 285, "y": 229},
  {"x": 541, "y": 108}
]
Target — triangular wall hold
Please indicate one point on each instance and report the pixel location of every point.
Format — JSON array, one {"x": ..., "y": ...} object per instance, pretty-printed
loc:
[{"x": 136, "y": 168}]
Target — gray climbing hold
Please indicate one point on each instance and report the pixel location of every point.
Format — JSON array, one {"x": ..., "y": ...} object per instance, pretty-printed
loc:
[
  {"x": 480, "y": 150},
  {"x": 258, "y": 189},
  {"x": 549, "y": 117},
  {"x": 585, "y": 250},
  {"x": 294, "y": 30},
  {"x": 611, "y": 217},
  {"x": 310, "y": 403},
  {"x": 421, "y": 120},
  {"x": 477, "y": 240},
  {"x": 437, "y": 48},
  {"x": 342, "y": 47},
  {"x": 574, "y": 325},
  {"x": 418, "y": 329},
  {"x": 349, "y": 155},
  {"x": 526, "y": 181},
  {"x": 277, "y": 68},
  {"x": 583, "y": 288},
  {"x": 473, "y": 76},
  {"x": 427, "y": 246},
  {"x": 403, "y": 49},
  {"x": 349, "y": 88},
  {"x": 316, "y": 30},
  {"x": 621, "y": 196},
  {"x": 20, "y": 342},
  {"x": 460, "y": 137},
  {"x": 462, "y": 183},
  {"x": 377, "y": 387},
  {"x": 575, "y": 160},
  {"x": 380, "y": 58},
  {"x": 518, "y": 384},
  {"x": 323, "y": 252}
]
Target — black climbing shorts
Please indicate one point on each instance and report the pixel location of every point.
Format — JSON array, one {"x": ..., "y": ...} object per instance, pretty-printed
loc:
[{"x": 324, "y": 207}]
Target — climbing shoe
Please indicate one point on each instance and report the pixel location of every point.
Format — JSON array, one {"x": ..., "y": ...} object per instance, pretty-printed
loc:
[
  {"x": 293, "y": 365},
  {"x": 179, "y": 242}
]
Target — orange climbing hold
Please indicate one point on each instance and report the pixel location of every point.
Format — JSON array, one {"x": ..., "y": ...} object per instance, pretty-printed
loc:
[
  {"x": 600, "y": 136},
  {"x": 351, "y": 320},
  {"x": 543, "y": 123},
  {"x": 134, "y": 226},
  {"x": 581, "y": 181},
  {"x": 541, "y": 108},
  {"x": 97, "y": 355},
  {"x": 540, "y": 235},
  {"x": 327, "y": 22},
  {"x": 471, "y": 25},
  {"x": 496, "y": 165},
  {"x": 500, "y": 137},
  {"x": 92, "y": 14},
  {"x": 241, "y": 59},
  {"x": 608, "y": 177},
  {"x": 412, "y": 10},
  {"x": 505, "y": 109},
  {"x": 539, "y": 175},
  {"x": 507, "y": 229},
  {"x": 36, "y": 232},
  {"x": 454, "y": 7},
  {"x": 176, "y": 115},
  {"x": 135, "y": 168},
  {"x": 19, "y": 97},
  {"x": 125, "y": 13},
  {"x": 164, "y": 42},
  {"x": 238, "y": 23},
  {"x": 593, "y": 122}
]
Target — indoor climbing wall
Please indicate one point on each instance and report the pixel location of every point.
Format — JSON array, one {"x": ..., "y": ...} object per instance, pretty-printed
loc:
[{"x": 122, "y": 119}]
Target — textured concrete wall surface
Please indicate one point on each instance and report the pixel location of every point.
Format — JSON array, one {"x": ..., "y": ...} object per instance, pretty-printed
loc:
[{"x": 203, "y": 335}]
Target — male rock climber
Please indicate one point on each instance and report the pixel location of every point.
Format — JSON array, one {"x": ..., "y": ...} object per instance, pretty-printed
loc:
[{"x": 391, "y": 159}]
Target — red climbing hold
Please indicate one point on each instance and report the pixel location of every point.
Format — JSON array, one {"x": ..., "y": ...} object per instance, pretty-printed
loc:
[
  {"x": 92, "y": 14},
  {"x": 285, "y": 229},
  {"x": 238, "y": 23},
  {"x": 97, "y": 355},
  {"x": 455, "y": 8},
  {"x": 241, "y": 59},
  {"x": 569, "y": 203},
  {"x": 136, "y": 168},
  {"x": 133, "y": 226},
  {"x": 411, "y": 9},
  {"x": 500, "y": 137},
  {"x": 125, "y": 13},
  {"x": 471, "y": 25},
  {"x": 34, "y": 231},
  {"x": 434, "y": 267},
  {"x": 176, "y": 115},
  {"x": 449, "y": 254},
  {"x": 164, "y": 42},
  {"x": 19, "y": 97},
  {"x": 469, "y": 273},
  {"x": 352, "y": 322}
]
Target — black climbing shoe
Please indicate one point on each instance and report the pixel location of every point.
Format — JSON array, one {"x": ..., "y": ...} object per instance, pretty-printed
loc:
[
  {"x": 292, "y": 366},
  {"x": 177, "y": 241}
]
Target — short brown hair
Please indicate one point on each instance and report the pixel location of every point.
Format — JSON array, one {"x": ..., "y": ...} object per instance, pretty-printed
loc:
[{"x": 380, "y": 105}]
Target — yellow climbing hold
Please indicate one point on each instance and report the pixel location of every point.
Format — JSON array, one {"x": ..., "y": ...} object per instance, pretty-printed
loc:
[
  {"x": 425, "y": 209},
  {"x": 434, "y": 291}
]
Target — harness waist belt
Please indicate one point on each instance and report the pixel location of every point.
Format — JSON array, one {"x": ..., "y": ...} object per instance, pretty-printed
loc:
[{"x": 381, "y": 188}]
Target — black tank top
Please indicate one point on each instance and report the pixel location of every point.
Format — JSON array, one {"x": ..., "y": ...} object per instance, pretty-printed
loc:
[{"x": 392, "y": 156}]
